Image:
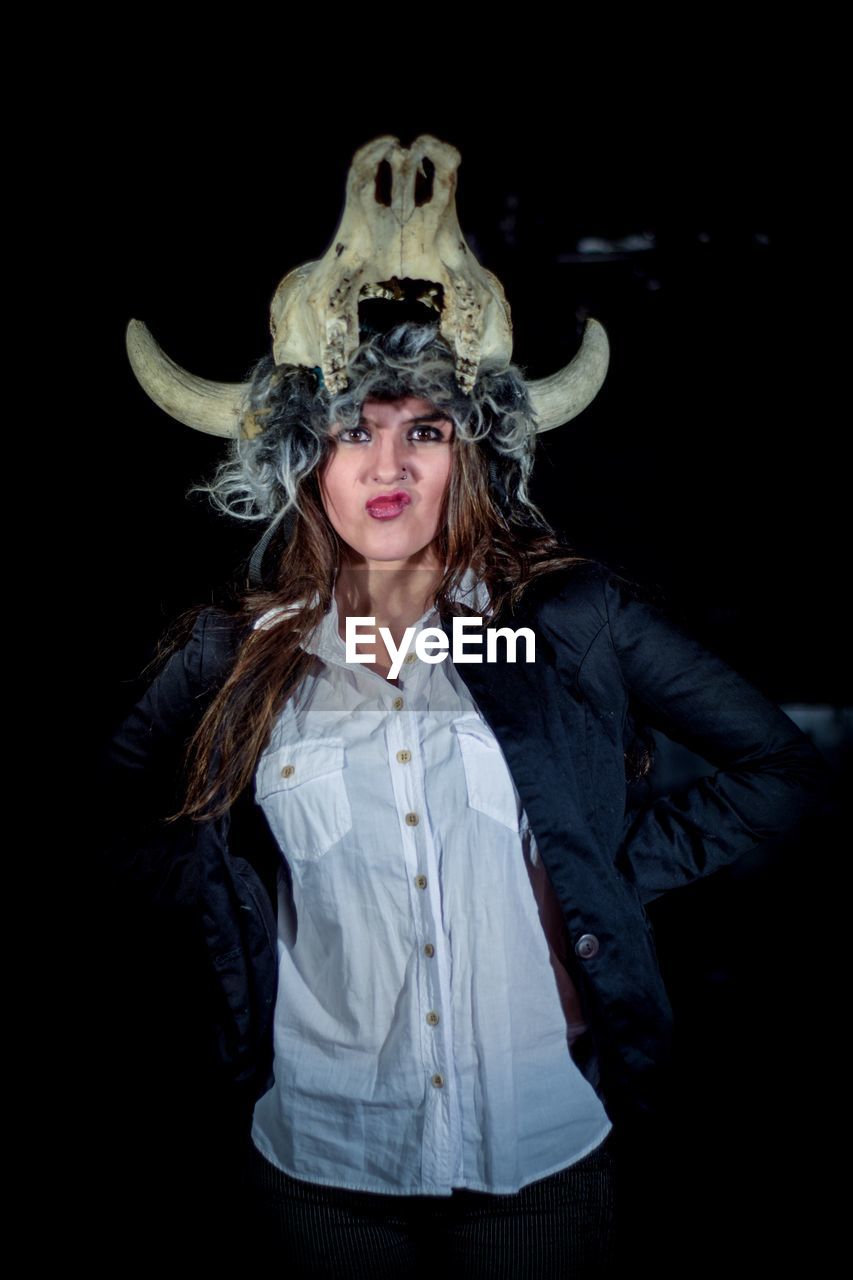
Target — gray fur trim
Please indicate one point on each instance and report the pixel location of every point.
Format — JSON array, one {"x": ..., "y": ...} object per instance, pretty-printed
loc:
[{"x": 262, "y": 476}]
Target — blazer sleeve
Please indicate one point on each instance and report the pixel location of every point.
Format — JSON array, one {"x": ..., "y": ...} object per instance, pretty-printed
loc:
[
  {"x": 140, "y": 776},
  {"x": 769, "y": 775}
]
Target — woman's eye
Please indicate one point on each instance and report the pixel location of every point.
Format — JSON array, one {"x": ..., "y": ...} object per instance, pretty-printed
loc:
[
  {"x": 437, "y": 433},
  {"x": 347, "y": 432}
]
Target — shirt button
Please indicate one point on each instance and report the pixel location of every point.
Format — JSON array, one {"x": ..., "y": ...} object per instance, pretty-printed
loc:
[
  {"x": 438, "y": 1081},
  {"x": 412, "y": 819},
  {"x": 288, "y": 771},
  {"x": 410, "y": 657},
  {"x": 429, "y": 950},
  {"x": 432, "y": 1018},
  {"x": 421, "y": 882},
  {"x": 404, "y": 756},
  {"x": 397, "y": 704},
  {"x": 586, "y": 946}
]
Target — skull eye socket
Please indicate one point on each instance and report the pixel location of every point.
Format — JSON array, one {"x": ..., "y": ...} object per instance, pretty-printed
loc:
[
  {"x": 384, "y": 183},
  {"x": 424, "y": 180}
]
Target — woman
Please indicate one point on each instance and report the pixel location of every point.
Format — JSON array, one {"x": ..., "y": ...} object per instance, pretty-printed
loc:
[
  {"x": 417, "y": 880},
  {"x": 416, "y": 877}
]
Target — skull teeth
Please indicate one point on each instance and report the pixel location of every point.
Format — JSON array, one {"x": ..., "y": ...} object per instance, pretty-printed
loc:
[
  {"x": 378, "y": 291},
  {"x": 430, "y": 298}
]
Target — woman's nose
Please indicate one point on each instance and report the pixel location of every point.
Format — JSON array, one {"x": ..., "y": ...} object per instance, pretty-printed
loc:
[{"x": 389, "y": 459}]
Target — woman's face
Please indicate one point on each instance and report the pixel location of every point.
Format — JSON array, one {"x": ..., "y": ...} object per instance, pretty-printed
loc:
[{"x": 383, "y": 486}]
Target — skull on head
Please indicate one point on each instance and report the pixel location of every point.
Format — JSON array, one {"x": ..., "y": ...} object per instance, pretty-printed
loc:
[{"x": 398, "y": 238}]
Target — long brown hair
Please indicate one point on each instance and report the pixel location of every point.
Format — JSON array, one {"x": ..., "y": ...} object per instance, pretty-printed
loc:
[{"x": 223, "y": 753}]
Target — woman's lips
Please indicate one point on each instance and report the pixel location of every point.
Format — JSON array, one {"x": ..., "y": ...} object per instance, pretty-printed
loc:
[{"x": 388, "y": 505}]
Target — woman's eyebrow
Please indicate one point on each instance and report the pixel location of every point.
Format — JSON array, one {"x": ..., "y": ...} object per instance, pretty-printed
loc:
[{"x": 438, "y": 416}]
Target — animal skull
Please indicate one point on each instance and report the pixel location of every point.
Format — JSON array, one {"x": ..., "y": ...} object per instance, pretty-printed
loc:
[
  {"x": 398, "y": 236},
  {"x": 399, "y": 224}
]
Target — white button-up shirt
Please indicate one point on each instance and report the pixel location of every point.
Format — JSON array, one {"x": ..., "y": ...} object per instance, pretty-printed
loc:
[{"x": 424, "y": 1014}]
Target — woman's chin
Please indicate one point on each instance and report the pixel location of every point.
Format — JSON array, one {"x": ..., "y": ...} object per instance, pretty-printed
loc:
[
  {"x": 392, "y": 550},
  {"x": 393, "y": 556}
]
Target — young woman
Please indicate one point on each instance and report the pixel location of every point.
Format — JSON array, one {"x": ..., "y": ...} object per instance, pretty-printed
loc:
[{"x": 416, "y": 875}]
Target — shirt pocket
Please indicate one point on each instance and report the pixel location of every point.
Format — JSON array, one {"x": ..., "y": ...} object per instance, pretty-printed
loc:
[
  {"x": 491, "y": 789},
  {"x": 300, "y": 787}
]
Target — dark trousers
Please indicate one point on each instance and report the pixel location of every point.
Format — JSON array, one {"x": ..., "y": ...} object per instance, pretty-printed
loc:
[{"x": 562, "y": 1225}]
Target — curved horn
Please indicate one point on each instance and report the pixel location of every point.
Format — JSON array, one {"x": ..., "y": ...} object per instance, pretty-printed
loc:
[
  {"x": 213, "y": 407},
  {"x": 564, "y": 395}
]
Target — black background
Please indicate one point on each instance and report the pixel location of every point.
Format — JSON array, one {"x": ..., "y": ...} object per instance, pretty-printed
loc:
[{"x": 707, "y": 466}]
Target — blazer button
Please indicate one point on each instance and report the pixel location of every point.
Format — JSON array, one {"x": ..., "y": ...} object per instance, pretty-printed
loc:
[{"x": 586, "y": 946}]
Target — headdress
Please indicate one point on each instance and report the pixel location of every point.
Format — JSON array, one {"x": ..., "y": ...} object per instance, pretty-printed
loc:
[{"x": 398, "y": 239}]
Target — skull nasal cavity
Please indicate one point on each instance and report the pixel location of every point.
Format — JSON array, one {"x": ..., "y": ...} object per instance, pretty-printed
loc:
[
  {"x": 423, "y": 182},
  {"x": 384, "y": 183}
]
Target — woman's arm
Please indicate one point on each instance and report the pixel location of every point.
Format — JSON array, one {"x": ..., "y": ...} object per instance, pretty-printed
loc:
[
  {"x": 141, "y": 776},
  {"x": 769, "y": 775}
]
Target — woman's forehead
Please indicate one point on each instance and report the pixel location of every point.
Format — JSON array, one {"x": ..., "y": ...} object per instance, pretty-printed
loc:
[{"x": 403, "y": 406}]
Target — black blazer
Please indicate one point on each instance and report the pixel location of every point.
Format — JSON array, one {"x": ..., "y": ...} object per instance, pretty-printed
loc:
[{"x": 609, "y": 666}]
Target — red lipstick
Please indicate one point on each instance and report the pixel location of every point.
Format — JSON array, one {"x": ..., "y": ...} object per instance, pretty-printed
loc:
[{"x": 385, "y": 506}]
